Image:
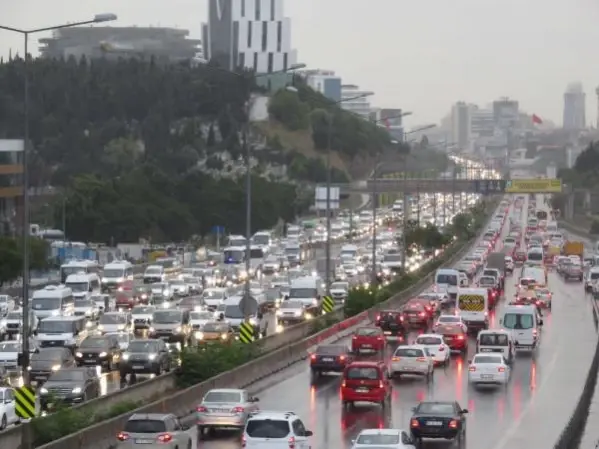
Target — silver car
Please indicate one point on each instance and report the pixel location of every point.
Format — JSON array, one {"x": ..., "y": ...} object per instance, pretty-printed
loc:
[
  {"x": 411, "y": 360},
  {"x": 155, "y": 431},
  {"x": 225, "y": 408}
]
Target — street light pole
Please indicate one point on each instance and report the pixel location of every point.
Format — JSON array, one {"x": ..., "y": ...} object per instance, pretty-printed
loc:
[
  {"x": 327, "y": 254},
  {"x": 99, "y": 18}
]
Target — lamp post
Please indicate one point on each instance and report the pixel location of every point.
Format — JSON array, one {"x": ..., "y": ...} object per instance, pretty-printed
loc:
[
  {"x": 328, "y": 183},
  {"x": 98, "y": 18}
]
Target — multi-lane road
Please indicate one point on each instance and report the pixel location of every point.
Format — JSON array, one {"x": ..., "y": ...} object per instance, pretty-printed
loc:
[{"x": 530, "y": 412}]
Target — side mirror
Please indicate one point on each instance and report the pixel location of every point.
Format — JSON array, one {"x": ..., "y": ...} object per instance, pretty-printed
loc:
[
  {"x": 413, "y": 409},
  {"x": 353, "y": 441},
  {"x": 184, "y": 427},
  {"x": 255, "y": 400},
  {"x": 465, "y": 411},
  {"x": 308, "y": 433},
  {"x": 469, "y": 361}
]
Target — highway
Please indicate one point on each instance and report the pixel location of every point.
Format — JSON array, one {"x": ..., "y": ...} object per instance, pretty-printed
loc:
[{"x": 530, "y": 412}]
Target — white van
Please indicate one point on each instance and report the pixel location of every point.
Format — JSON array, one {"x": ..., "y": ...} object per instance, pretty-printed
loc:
[
  {"x": 551, "y": 227},
  {"x": 262, "y": 238},
  {"x": 349, "y": 252},
  {"x": 257, "y": 256},
  {"x": 234, "y": 255},
  {"x": 524, "y": 323},
  {"x": 53, "y": 300},
  {"x": 472, "y": 304},
  {"x": 535, "y": 256},
  {"x": 293, "y": 251},
  {"x": 115, "y": 274},
  {"x": 62, "y": 331},
  {"x": 84, "y": 285},
  {"x": 448, "y": 279},
  {"x": 236, "y": 240},
  {"x": 308, "y": 290},
  {"x": 153, "y": 274},
  {"x": 496, "y": 340},
  {"x": 78, "y": 266}
]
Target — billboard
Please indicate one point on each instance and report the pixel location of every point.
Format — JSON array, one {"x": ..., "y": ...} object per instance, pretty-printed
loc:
[{"x": 533, "y": 186}]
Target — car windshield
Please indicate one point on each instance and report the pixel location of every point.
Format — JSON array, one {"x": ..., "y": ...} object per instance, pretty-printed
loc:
[
  {"x": 429, "y": 341},
  {"x": 223, "y": 396},
  {"x": 432, "y": 408},
  {"x": 368, "y": 332},
  {"x": 201, "y": 316},
  {"x": 45, "y": 303},
  {"x": 177, "y": 282},
  {"x": 525, "y": 282},
  {"x": 142, "y": 346},
  {"x": 365, "y": 373},
  {"x": 78, "y": 286},
  {"x": 409, "y": 352},
  {"x": 122, "y": 337},
  {"x": 145, "y": 426},
  {"x": 261, "y": 239},
  {"x": 216, "y": 327},
  {"x": 234, "y": 255},
  {"x": 14, "y": 316},
  {"x": 10, "y": 347},
  {"x": 486, "y": 280},
  {"x": 267, "y": 428},
  {"x": 142, "y": 310},
  {"x": 48, "y": 354},
  {"x": 493, "y": 340},
  {"x": 154, "y": 270},
  {"x": 167, "y": 317},
  {"x": 84, "y": 303},
  {"x": 93, "y": 342},
  {"x": 233, "y": 312},
  {"x": 331, "y": 350},
  {"x": 67, "y": 375},
  {"x": 109, "y": 318},
  {"x": 378, "y": 439},
  {"x": 478, "y": 359},
  {"x": 302, "y": 293},
  {"x": 449, "y": 319},
  {"x": 392, "y": 258},
  {"x": 339, "y": 286},
  {"x": 449, "y": 279},
  {"x": 113, "y": 273},
  {"x": 518, "y": 321}
]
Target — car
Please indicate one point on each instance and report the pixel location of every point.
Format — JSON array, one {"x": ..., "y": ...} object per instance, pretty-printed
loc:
[
  {"x": 8, "y": 414},
  {"x": 69, "y": 386},
  {"x": 103, "y": 351},
  {"x": 191, "y": 304},
  {"x": 438, "y": 419},
  {"x": 452, "y": 320},
  {"x": 368, "y": 339},
  {"x": 436, "y": 346},
  {"x": 415, "y": 314},
  {"x": 276, "y": 430},
  {"x": 454, "y": 336},
  {"x": 291, "y": 312},
  {"x": 392, "y": 324},
  {"x": 155, "y": 431},
  {"x": 329, "y": 358},
  {"x": 142, "y": 317},
  {"x": 488, "y": 369},
  {"x": 215, "y": 332},
  {"x": 509, "y": 265},
  {"x": 45, "y": 361},
  {"x": 145, "y": 356},
  {"x": 224, "y": 408},
  {"x": 411, "y": 360},
  {"x": 365, "y": 381},
  {"x": 544, "y": 297},
  {"x": 179, "y": 287},
  {"x": 383, "y": 439}
]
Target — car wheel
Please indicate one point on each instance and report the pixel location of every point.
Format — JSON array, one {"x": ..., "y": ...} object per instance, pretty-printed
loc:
[
  {"x": 200, "y": 432},
  {"x": 3, "y": 423}
]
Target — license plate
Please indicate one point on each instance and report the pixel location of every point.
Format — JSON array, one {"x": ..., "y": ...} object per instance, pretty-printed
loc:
[
  {"x": 434, "y": 423},
  {"x": 164, "y": 337},
  {"x": 139, "y": 441},
  {"x": 138, "y": 367},
  {"x": 40, "y": 377},
  {"x": 486, "y": 350},
  {"x": 387, "y": 333},
  {"x": 487, "y": 376},
  {"x": 362, "y": 390},
  {"x": 327, "y": 359},
  {"x": 219, "y": 410},
  {"x": 367, "y": 346}
]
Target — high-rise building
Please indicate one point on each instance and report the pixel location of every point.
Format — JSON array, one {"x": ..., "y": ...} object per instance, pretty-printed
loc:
[
  {"x": 323, "y": 81},
  {"x": 249, "y": 33},
  {"x": 574, "y": 107},
  {"x": 166, "y": 44},
  {"x": 506, "y": 114},
  {"x": 461, "y": 125},
  {"x": 482, "y": 122},
  {"x": 392, "y": 119},
  {"x": 356, "y": 100}
]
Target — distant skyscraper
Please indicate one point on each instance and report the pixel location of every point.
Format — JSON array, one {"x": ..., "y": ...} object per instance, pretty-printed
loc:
[
  {"x": 249, "y": 33},
  {"x": 461, "y": 125},
  {"x": 574, "y": 107},
  {"x": 360, "y": 106}
]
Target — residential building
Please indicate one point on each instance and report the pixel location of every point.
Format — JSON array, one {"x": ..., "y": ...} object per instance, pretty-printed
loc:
[
  {"x": 323, "y": 81},
  {"x": 167, "y": 44},
  {"x": 391, "y": 119},
  {"x": 461, "y": 125},
  {"x": 482, "y": 122},
  {"x": 574, "y": 107},
  {"x": 11, "y": 184},
  {"x": 253, "y": 34},
  {"x": 356, "y": 100},
  {"x": 506, "y": 113}
]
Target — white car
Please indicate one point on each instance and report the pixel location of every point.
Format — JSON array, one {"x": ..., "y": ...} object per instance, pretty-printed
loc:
[
  {"x": 411, "y": 360},
  {"x": 260, "y": 432},
  {"x": 488, "y": 369},
  {"x": 123, "y": 338},
  {"x": 450, "y": 320},
  {"x": 339, "y": 291},
  {"x": 179, "y": 287},
  {"x": 436, "y": 347},
  {"x": 213, "y": 297},
  {"x": 197, "y": 320},
  {"x": 142, "y": 316},
  {"x": 291, "y": 312},
  {"x": 383, "y": 439},
  {"x": 8, "y": 414}
]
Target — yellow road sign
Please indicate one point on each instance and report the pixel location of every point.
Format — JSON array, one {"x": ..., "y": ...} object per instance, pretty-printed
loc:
[
  {"x": 328, "y": 304},
  {"x": 533, "y": 186},
  {"x": 246, "y": 332},
  {"x": 25, "y": 402}
]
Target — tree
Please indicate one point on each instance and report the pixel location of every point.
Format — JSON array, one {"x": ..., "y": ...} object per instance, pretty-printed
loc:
[
  {"x": 11, "y": 261},
  {"x": 287, "y": 108}
]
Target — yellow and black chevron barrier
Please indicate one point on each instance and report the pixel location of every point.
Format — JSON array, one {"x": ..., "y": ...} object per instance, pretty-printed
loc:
[
  {"x": 328, "y": 304},
  {"x": 471, "y": 303},
  {"x": 246, "y": 332},
  {"x": 25, "y": 402}
]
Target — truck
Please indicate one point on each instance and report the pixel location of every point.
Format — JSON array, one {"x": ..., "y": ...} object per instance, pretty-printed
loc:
[{"x": 573, "y": 248}]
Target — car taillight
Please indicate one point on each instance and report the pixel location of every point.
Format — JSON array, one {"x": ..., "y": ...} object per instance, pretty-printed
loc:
[
  {"x": 122, "y": 436},
  {"x": 472, "y": 368},
  {"x": 441, "y": 348},
  {"x": 341, "y": 358},
  {"x": 428, "y": 308},
  {"x": 312, "y": 357},
  {"x": 378, "y": 318},
  {"x": 354, "y": 337},
  {"x": 343, "y": 384},
  {"x": 381, "y": 385},
  {"x": 380, "y": 338},
  {"x": 501, "y": 369},
  {"x": 165, "y": 438},
  {"x": 201, "y": 409},
  {"x": 453, "y": 424},
  {"x": 395, "y": 359},
  {"x": 460, "y": 337},
  {"x": 238, "y": 410},
  {"x": 534, "y": 332},
  {"x": 422, "y": 314},
  {"x": 414, "y": 423},
  {"x": 401, "y": 318},
  {"x": 291, "y": 442},
  {"x": 421, "y": 359},
  {"x": 486, "y": 313}
]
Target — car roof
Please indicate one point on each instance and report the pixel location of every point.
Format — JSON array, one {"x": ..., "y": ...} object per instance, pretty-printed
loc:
[
  {"x": 225, "y": 390},
  {"x": 366, "y": 364},
  {"x": 429, "y": 335},
  {"x": 150, "y": 416},
  {"x": 381, "y": 432}
]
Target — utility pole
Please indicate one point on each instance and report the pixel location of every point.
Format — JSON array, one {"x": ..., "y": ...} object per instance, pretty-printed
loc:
[
  {"x": 328, "y": 205},
  {"x": 374, "y": 207}
]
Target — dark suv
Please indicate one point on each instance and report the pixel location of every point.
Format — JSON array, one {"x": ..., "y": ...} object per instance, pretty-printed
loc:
[
  {"x": 391, "y": 323},
  {"x": 145, "y": 357},
  {"x": 70, "y": 386}
]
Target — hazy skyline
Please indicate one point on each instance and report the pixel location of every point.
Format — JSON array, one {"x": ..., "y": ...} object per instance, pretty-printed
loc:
[{"x": 420, "y": 56}]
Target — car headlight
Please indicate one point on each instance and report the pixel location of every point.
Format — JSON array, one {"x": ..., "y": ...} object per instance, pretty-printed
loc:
[
  {"x": 252, "y": 321},
  {"x": 279, "y": 312},
  {"x": 178, "y": 329},
  {"x": 151, "y": 356},
  {"x": 56, "y": 367},
  {"x": 126, "y": 356},
  {"x": 29, "y": 368},
  {"x": 199, "y": 335},
  {"x": 165, "y": 305},
  {"x": 314, "y": 302},
  {"x": 103, "y": 354},
  {"x": 298, "y": 313},
  {"x": 144, "y": 296},
  {"x": 43, "y": 390},
  {"x": 78, "y": 354},
  {"x": 166, "y": 292},
  {"x": 121, "y": 327},
  {"x": 100, "y": 327},
  {"x": 151, "y": 330},
  {"x": 224, "y": 336},
  {"x": 55, "y": 312},
  {"x": 77, "y": 390}
]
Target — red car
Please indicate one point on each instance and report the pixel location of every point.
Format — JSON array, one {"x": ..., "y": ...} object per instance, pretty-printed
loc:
[
  {"x": 520, "y": 257},
  {"x": 369, "y": 339},
  {"x": 430, "y": 305},
  {"x": 365, "y": 382},
  {"x": 125, "y": 300},
  {"x": 415, "y": 314},
  {"x": 454, "y": 337}
]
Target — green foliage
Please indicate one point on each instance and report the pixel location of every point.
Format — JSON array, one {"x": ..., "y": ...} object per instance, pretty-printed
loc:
[
  {"x": 428, "y": 237},
  {"x": 201, "y": 363},
  {"x": 323, "y": 322},
  {"x": 11, "y": 260},
  {"x": 287, "y": 108},
  {"x": 585, "y": 172},
  {"x": 302, "y": 168}
]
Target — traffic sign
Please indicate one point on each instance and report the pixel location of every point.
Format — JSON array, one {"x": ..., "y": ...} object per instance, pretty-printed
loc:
[
  {"x": 328, "y": 304},
  {"x": 489, "y": 186},
  {"x": 220, "y": 230},
  {"x": 25, "y": 402},
  {"x": 246, "y": 332},
  {"x": 534, "y": 186}
]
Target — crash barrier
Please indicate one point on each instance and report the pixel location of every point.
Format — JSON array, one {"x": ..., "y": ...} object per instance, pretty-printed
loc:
[{"x": 183, "y": 403}]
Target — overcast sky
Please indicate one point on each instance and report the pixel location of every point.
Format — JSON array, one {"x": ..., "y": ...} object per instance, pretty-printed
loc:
[{"x": 421, "y": 56}]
